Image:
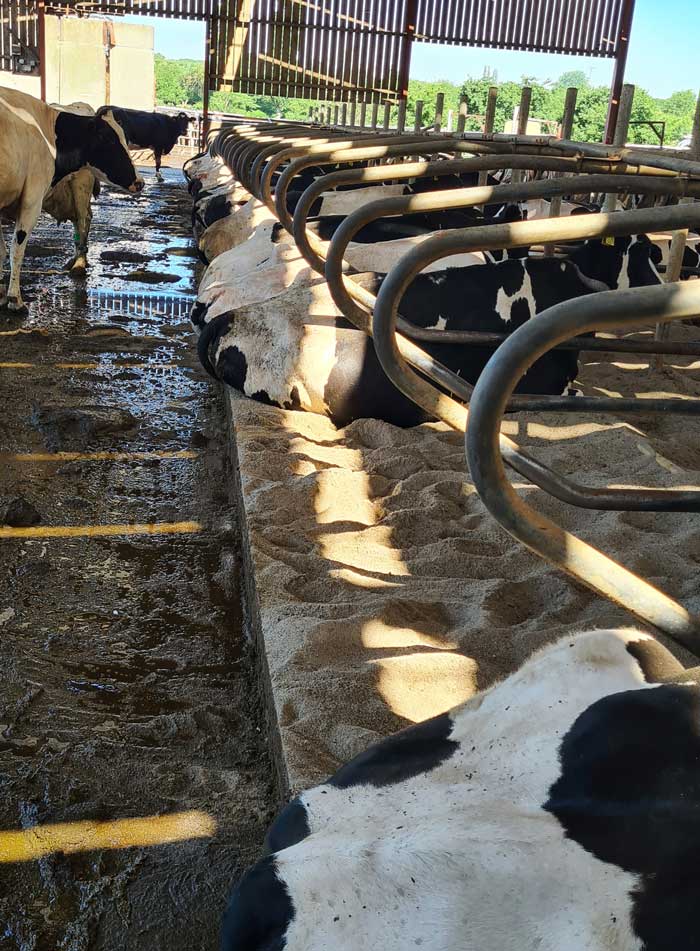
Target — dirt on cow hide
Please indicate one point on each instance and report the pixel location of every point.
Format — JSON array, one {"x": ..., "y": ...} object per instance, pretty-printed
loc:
[{"x": 129, "y": 695}]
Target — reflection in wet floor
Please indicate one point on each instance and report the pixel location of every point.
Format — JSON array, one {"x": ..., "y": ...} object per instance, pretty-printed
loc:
[{"x": 128, "y": 689}]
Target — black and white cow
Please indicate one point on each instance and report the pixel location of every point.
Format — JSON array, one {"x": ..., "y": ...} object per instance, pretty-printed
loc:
[
  {"x": 289, "y": 346},
  {"x": 40, "y": 146},
  {"x": 555, "y": 811},
  {"x": 150, "y": 130}
]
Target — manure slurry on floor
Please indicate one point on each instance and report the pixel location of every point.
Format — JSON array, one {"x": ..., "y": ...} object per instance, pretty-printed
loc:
[{"x": 135, "y": 777}]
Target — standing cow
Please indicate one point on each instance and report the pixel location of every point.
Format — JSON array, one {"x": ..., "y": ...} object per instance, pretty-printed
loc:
[
  {"x": 71, "y": 199},
  {"x": 40, "y": 146},
  {"x": 150, "y": 130}
]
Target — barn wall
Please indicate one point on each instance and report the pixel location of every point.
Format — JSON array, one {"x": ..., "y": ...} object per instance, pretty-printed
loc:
[
  {"x": 77, "y": 67},
  {"x": 29, "y": 84}
]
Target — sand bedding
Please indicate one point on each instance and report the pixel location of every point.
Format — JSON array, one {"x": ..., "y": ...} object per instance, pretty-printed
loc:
[{"x": 388, "y": 594}]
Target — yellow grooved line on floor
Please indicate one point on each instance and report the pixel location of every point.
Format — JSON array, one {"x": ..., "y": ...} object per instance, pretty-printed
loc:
[
  {"x": 78, "y": 531},
  {"x": 95, "y": 456},
  {"x": 34, "y": 843}
]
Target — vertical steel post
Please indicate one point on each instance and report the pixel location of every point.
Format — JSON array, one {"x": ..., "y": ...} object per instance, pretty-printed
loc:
[{"x": 622, "y": 48}]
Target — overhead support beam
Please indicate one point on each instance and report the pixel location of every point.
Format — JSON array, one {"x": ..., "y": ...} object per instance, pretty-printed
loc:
[{"x": 622, "y": 48}]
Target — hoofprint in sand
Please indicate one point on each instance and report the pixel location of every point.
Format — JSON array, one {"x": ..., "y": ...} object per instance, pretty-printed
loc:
[{"x": 388, "y": 594}]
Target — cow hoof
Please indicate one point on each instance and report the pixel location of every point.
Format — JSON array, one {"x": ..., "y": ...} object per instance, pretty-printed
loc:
[
  {"x": 16, "y": 305},
  {"x": 76, "y": 267}
]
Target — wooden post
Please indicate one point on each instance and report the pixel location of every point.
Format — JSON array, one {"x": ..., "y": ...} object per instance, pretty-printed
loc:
[
  {"x": 375, "y": 114},
  {"x": 207, "y": 79},
  {"x": 401, "y": 120},
  {"x": 419, "y": 116},
  {"x": 620, "y": 137},
  {"x": 489, "y": 121},
  {"x": 523, "y": 117},
  {"x": 439, "y": 109},
  {"x": 623, "y": 42},
  {"x": 41, "y": 29},
  {"x": 336, "y": 110},
  {"x": 344, "y": 114},
  {"x": 462, "y": 119},
  {"x": 676, "y": 252},
  {"x": 567, "y": 125},
  {"x": 363, "y": 114},
  {"x": 353, "y": 110},
  {"x": 387, "y": 116}
]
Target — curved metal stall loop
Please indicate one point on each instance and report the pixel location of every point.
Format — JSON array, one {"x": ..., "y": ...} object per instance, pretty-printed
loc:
[
  {"x": 315, "y": 250},
  {"x": 486, "y": 448},
  {"x": 247, "y": 153},
  {"x": 278, "y": 204},
  {"x": 395, "y": 359},
  {"x": 355, "y": 302},
  {"x": 264, "y": 171},
  {"x": 304, "y": 138}
]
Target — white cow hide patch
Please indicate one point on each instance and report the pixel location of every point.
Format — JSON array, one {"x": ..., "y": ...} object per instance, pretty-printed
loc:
[
  {"x": 289, "y": 343},
  {"x": 505, "y": 301},
  {"x": 463, "y": 857}
]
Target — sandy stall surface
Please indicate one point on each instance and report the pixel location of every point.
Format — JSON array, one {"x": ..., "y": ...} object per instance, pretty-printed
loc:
[{"x": 388, "y": 594}]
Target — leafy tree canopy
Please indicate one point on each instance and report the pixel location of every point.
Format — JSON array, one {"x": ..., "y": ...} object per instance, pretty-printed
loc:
[{"x": 180, "y": 83}]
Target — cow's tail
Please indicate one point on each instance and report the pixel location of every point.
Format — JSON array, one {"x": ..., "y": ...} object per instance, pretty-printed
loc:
[
  {"x": 96, "y": 189},
  {"x": 209, "y": 337}
]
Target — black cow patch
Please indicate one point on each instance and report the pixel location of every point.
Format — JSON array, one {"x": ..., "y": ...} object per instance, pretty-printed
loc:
[
  {"x": 290, "y": 827},
  {"x": 419, "y": 749},
  {"x": 21, "y": 237},
  {"x": 629, "y": 793},
  {"x": 259, "y": 911}
]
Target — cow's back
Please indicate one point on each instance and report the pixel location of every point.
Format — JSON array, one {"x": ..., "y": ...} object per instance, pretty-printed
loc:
[{"x": 27, "y": 144}]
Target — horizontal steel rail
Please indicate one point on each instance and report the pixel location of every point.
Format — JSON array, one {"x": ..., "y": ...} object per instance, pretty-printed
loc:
[{"x": 487, "y": 449}]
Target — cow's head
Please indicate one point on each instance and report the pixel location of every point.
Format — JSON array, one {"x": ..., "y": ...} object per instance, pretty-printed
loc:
[
  {"x": 107, "y": 155},
  {"x": 182, "y": 123},
  {"x": 618, "y": 263}
]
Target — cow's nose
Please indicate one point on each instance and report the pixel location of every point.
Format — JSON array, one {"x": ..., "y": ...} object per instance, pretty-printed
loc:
[{"x": 136, "y": 187}]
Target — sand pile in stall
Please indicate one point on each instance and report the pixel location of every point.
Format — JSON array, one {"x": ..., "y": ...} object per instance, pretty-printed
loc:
[{"x": 387, "y": 592}]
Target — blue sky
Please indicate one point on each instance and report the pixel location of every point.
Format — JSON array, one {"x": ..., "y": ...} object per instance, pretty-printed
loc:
[{"x": 664, "y": 52}]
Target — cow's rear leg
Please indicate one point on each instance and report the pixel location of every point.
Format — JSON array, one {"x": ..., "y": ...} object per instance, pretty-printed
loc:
[
  {"x": 24, "y": 225},
  {"x": 158, "y": 157},
  {"x": 78, "y": 263},
  {"x": 3, "y": 255}
]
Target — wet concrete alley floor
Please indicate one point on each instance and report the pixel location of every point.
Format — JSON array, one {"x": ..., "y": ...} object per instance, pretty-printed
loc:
[{"x": 127, "y": 688}]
